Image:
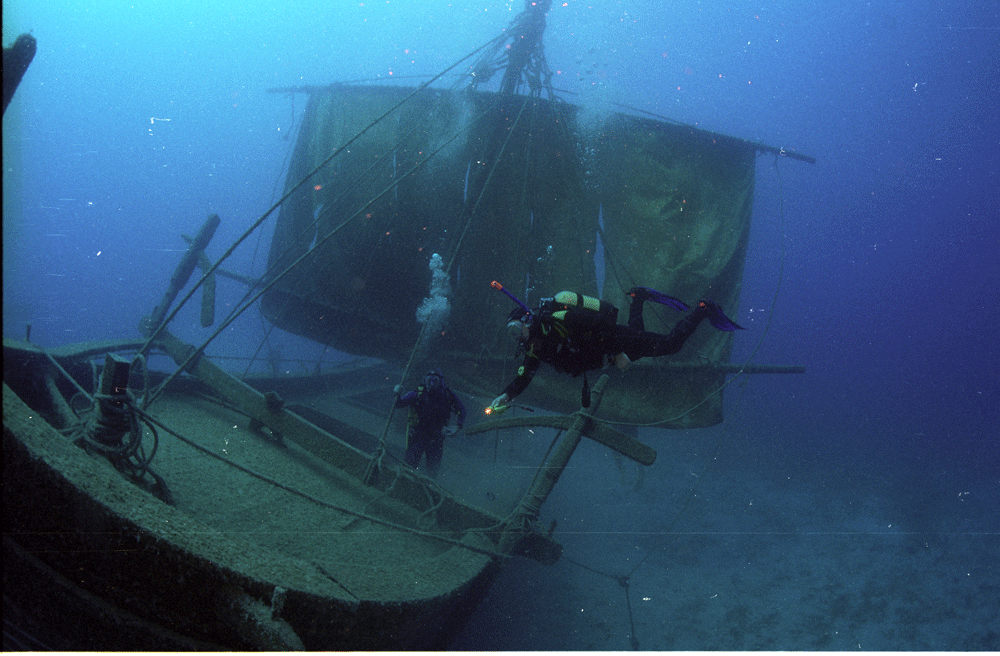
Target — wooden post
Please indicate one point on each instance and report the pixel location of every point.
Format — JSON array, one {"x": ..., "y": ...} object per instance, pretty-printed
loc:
[
  {"x": 530, "y": 506},
  {"x": 184, "y": 269}
]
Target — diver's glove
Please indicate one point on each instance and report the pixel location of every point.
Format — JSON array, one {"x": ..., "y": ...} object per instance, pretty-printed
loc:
[
  {"x": 397, "y": 390},
  {"x": 499, "y": 404}
]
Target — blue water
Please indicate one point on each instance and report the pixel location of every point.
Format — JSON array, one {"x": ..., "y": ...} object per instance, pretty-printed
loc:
[{"x": 876, "y": 268}]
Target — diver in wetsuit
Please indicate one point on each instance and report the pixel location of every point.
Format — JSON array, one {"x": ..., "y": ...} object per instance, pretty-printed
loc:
[
  {"x": 431, "y": 406},
  {"x": 575, "y": 334}
]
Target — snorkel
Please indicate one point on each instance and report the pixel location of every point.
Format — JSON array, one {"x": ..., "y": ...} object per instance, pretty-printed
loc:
[{"x": 496, "y": 285}]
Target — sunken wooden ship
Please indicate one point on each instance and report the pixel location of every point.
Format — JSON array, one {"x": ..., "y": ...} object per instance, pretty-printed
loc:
[{"x": 193, "y": 509}]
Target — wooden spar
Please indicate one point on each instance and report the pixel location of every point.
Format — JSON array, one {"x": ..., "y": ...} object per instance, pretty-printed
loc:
[
  {"x": 268, "y": 410},
  {"x": 759, "y": 147},
  {"x": 306, "y": 88},
  {"x": 265, "y": 409},
  {"x": 253, "y": 283},
  {"x": 184, "y": 269},
  {"x": 609, "y": 437},
  {"x": 679, "y": 367},
  {"x": 518, "y": 535},
  {"x": 732, "y": 368},
  {"x": 783, "y": 152},
  {"x": 207, "y": 288}
]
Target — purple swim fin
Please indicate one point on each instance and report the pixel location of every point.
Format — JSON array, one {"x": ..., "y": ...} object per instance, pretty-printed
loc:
[
  {"x": 650, "y": 294},
  {"x": 716, "y": 316}
]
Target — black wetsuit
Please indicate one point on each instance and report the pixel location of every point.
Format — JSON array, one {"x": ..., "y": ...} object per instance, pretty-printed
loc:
[
  {"x": 430, "y": 411},
  {"x": 574, "y": 348}
]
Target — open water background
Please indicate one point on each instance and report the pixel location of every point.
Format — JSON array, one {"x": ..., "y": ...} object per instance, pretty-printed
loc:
[{"x": 876, "y": 268}]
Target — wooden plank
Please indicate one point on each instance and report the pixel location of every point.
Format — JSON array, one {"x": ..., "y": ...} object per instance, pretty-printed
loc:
[{"x": 597, "y": 431}]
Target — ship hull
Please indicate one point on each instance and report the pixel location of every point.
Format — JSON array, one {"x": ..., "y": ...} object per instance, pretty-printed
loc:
[{"x": 94, "y": 562}]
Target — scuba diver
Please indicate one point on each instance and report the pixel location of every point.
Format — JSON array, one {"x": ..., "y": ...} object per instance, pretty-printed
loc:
[
  {"x": 431, "y": 406},
  {"x": 576, "y": 333}
]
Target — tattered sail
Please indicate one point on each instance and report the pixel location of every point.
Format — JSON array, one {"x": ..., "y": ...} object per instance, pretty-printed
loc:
[{"x": 522, "y": 190}]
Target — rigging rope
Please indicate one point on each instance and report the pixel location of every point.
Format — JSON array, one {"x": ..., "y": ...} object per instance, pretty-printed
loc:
[
  {"x": 767, "y": 325},
  {"x": 375, "y": 463},
  {"x": 535, "y": 91},
  {"x": 712, "y": 456},
  {"x": 294, "y": 188},
  {"x": 115, "y": 430},
  {"x": 521, "y": 21},
  {"x": 128, "y": 416},
  {"x": 308, "y": 497},
  {"x": 245, "y": 305}
]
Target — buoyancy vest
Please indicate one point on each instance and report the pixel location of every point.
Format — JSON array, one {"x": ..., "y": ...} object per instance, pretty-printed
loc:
[
  {"x": 432, "y": 409},
  {"x": 583, "y": 323},
  {"x": 579, "y": 313}
]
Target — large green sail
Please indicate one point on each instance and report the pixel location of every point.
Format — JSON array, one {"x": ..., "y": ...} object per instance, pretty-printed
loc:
[{"x": 516, "y": 189}]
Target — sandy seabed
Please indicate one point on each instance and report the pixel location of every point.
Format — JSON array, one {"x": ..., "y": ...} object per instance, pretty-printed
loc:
[{"x": 757, "y": 555}]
